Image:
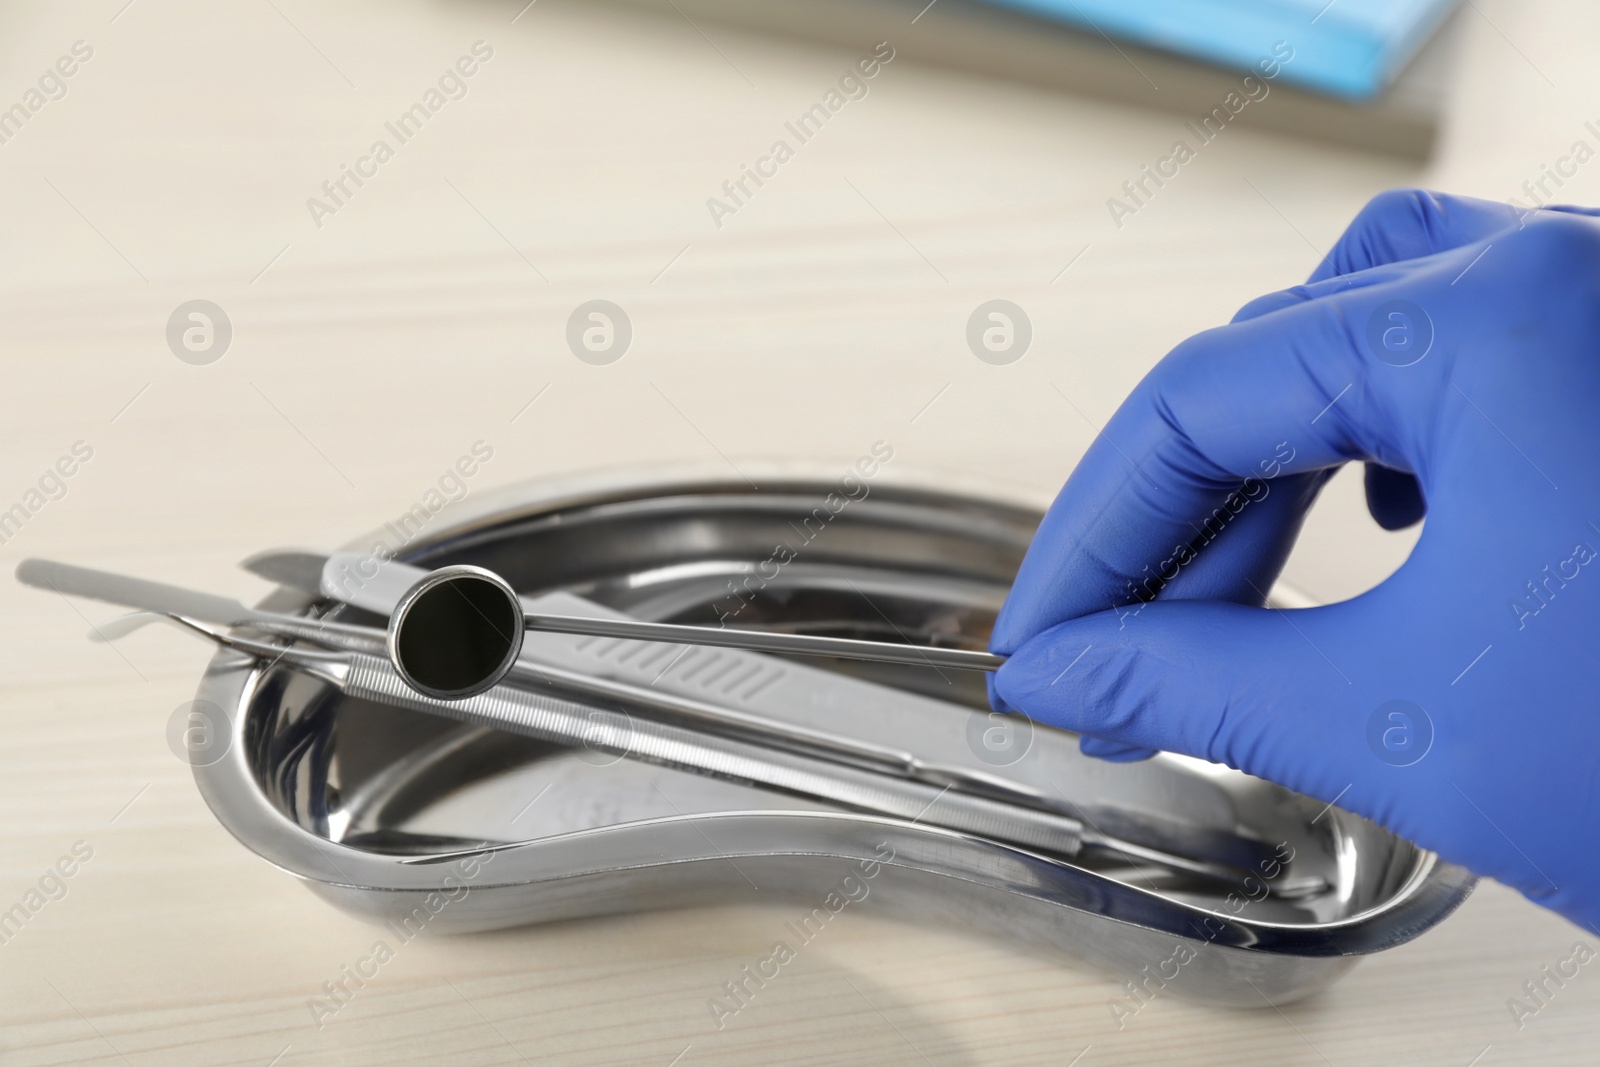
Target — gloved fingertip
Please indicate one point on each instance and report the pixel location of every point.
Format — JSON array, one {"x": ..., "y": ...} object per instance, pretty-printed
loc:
[
  {"x": 1265, "y": 305},
  {"x": 1159, "y": 682},
  {"x": 996, "y": 701},
  {"x": 1011, "y": 631},
  {"x": 1113, "y": 751},
  {"x": 1054, "y": 677},
  {"x": 1573, "y": 209}
]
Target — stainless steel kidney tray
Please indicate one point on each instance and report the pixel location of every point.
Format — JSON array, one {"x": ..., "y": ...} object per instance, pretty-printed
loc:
[{"x": 420, "y": 821}]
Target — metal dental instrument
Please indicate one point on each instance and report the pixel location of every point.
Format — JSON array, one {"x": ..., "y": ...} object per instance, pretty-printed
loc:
[
  {"x": 388, "y": 588},
  {"x": 350, "y": 579},
  {"x": 729, "y": 725},
  {"x": 458, "y": 630},
  {"x": 740, "y": 746},
  {"x": 538, "y": 676},
  {"x": 368, "y": 677},
  {"x": 156, "y": 599}
]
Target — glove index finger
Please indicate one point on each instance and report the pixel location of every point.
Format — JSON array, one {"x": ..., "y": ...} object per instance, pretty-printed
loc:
[
  {"x": 1202, "y": 437},
  {"x": 1395, "y": 226},
  {"x": 1403, "y": 224}
]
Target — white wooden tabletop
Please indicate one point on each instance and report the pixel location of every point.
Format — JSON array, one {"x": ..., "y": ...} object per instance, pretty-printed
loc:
[{"x": 374, "y": 343}]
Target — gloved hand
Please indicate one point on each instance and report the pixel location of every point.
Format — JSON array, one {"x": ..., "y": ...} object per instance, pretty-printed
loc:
[{"x": 1453, "y": 345}]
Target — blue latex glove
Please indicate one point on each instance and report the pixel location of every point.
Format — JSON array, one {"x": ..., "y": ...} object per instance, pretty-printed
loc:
[{"x": 1453, "y": 345}]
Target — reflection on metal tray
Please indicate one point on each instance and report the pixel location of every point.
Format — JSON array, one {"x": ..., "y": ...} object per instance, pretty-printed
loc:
[{"x": 385, "y": 812}]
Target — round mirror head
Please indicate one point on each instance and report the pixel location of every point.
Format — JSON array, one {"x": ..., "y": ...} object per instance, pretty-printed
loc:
[{"x": 456, "y": 632}]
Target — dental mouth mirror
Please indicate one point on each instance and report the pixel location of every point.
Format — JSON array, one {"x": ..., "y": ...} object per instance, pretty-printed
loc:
[{"x": 458, "y": 630}]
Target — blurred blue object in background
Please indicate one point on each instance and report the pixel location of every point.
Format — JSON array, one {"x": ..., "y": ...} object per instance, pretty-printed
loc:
[{"x": 1347, "y": 48}]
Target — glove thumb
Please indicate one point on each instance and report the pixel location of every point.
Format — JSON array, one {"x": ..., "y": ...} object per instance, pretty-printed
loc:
[{"x": 1246, "y": 687}]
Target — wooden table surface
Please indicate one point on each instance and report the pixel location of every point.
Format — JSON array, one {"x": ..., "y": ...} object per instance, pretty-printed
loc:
[{"x": 374, "y": 344}]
